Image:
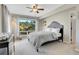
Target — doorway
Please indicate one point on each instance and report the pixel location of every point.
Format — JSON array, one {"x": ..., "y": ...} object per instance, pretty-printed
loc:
[{"x": 73, "y": 29}]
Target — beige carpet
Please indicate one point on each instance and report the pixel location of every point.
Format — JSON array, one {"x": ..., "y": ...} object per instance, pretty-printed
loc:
[{"x": 23, "y": 47}]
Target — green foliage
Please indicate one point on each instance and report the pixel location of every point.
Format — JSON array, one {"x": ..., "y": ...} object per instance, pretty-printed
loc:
[{"x": 27, "y": 26}]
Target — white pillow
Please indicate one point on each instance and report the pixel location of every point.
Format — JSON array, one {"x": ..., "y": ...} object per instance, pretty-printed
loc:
[
  {"x": 56, "y": 30},
  {"x": 47, "y": 29}
]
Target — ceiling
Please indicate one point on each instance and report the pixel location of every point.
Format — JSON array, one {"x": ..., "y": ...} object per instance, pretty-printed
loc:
[{"x": 22, "y": 10}]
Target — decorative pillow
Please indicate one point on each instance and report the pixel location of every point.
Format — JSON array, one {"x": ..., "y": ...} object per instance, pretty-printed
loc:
[
  {"x": 47, "y": 29},
  {"x": 56, "y": 30}
]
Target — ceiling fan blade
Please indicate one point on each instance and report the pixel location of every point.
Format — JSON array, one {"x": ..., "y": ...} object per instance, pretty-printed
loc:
[
  {"x": 40, "y": 9},
  {"x": 29, "y": 7}
]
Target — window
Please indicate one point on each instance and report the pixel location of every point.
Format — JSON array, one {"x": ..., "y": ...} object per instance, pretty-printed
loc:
[{"x": 26, "y": 26}]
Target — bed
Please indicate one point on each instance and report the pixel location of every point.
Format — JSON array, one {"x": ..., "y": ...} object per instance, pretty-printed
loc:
[{"x": 54, "y": 32}]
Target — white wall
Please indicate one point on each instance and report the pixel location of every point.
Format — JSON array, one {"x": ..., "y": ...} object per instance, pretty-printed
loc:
[
  {"x": 9, "y": 23},
  {"x": 14, "y": 26},
  {"x": 77, "y": 31},
  {"x": 36, "y": 25},
  {"x": 40, "y": 25},
  {"x": 64, "y": 19},
  {"x": 0, "y": 19}
]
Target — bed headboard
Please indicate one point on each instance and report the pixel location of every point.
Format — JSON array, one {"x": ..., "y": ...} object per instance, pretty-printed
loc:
[{"x": 56, "y": 24}]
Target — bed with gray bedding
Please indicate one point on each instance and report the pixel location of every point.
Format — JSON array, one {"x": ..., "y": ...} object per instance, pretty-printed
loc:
[{"x": 40, "y": 37}]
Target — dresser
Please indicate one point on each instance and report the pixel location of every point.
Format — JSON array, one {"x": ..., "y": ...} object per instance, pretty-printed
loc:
[{"x": 7, "y": 43}]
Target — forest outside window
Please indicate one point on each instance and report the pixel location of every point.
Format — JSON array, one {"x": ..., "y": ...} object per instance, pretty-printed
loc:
[{"x": 26, "y": 26}]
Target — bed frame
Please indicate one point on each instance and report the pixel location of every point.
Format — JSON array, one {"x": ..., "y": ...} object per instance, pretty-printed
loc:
[
  {"x": 61, "y": 31},
  {"x": 55, "y": 24},
  {"x": 59, "y": 38}
]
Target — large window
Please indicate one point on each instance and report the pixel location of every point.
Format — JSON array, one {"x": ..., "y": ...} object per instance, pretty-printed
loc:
[{"x": 26, "y": 26}]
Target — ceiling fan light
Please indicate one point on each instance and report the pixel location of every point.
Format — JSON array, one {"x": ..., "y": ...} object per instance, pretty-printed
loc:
[{"x": 34, "y": 10}]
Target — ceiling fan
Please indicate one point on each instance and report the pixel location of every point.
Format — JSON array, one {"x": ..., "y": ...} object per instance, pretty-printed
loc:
[{"x": 35, "y": 8}]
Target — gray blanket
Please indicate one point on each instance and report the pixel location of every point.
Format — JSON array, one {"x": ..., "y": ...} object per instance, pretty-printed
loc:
[{"x": 38, "y": 38}]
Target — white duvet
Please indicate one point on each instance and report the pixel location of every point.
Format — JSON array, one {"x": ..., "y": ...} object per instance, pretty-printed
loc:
[{"x": 38, "y": 38}]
